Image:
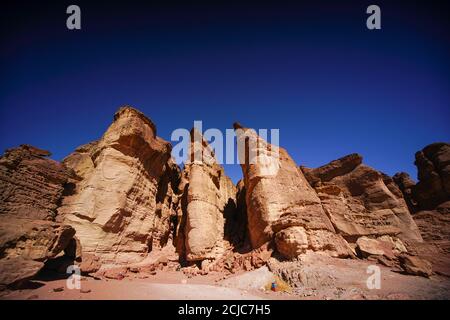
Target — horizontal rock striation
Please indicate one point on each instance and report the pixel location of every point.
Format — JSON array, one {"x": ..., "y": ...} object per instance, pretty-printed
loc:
[{"x": 31, "y": 187}]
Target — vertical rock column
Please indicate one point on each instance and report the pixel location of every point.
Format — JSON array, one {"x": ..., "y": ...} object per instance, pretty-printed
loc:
[
  {"x": 115, "y": 206},
  {"x": 280, "y": 202},
  {"x": 209, "y": 195}
]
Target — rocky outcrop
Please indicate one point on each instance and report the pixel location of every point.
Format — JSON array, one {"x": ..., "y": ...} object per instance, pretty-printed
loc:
[
  {"x": 121, "y": 205},
  {"x": 209, "y": 199},
  {"x": 292, "y": 241},
  {"x": 134, "y": 211},
  {"x": 430, "y": 199},
  {"x": 361, "y": 201},
  {"x": 433, "y": 188},
  {"x": 26, "y": 245},
  {"x": 280, "y": 200},
  {"x": 31, "y": 187},
  {"x": 433, "y": 166},
  {"x": 406, "y": 185},
  {"x": 416, "y": 266}
]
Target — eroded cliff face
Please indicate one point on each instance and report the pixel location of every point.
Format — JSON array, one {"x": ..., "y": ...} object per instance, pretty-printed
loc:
[
  {"x": 31, "y": 188},
  {"x": 433, "y": 166},
  {"x": 281, "y": 204},
  {"x": 115, "y": 206},
  {"x": 361, "y": 201},
  {"x": 209, "y": 199},
  {"x": 429, "y": 200},
  {"x": 31, "y": 185}
]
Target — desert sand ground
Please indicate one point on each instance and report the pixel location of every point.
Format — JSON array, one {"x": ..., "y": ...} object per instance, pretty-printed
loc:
[{"x": 344, "y": 279}]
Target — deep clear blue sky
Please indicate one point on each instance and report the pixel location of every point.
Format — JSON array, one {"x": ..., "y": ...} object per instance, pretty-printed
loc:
[{"x": 311, "y": 69}]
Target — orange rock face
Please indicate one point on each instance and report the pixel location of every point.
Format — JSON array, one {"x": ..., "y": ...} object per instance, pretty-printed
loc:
[
  {"x": 209, "y": 198},
  {"x": 279, "y": 200},
  {"x": 31, "y": 187},
  {"x": 119, "y": 206},
  {"x": 430, "y": 203},
  {"x": 361, "y": 201}
]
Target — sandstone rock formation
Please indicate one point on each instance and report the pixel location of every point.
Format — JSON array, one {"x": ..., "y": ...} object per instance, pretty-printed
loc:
[
  {"x": 209, "y": 199},
  {"x": 281, "y": 203},
  {"x": 406, "y": 185},
  {"x": 416, "y": 266},
  {"x": 31, "y": 187},
  {"x": 430, "y": 202},
  {"x": 134, "y": 211},
  {"x": 433, "y": 166},
  {"x": 121, "y": 206},
  {"x": 361, "y": 201},
  {"x": 25, "y": 245}
]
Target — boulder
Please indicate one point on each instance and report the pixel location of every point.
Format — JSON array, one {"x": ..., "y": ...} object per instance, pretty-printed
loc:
[
  {"x": 14, "y": 271},
  {"x": 416, "y": 266},
  {"x": 367, "y": 247},
  {"x": 25, "y": 245}
]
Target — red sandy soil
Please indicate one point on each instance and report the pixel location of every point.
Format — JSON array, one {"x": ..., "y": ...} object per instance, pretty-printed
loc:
[
  {"x": 163, "y": 286},
  {"x": 348, "y": 282}
]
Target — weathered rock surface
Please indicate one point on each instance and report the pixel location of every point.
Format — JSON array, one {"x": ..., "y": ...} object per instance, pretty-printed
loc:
[
  {"x": 135, "y": 213},
  {"x": 14, "y": 271},
  {"x": 430, "y": 199},
  {"x": 33, "y": 239},
  {"x": 31, "y": 187},
  {"x": 292, "y": 241},
  {"x": 416, "y": 266},
  {"x": 121, "y": 206},
  {"x": 433, "y": 166},
  {"x": 406, "y": 185},
  {"x": 367, "y": 247},
  {"x": 278, "y": 198},
  {"x": 318, "y": 276},
  {"x": 210, "y": 198},
  {"x": 361, "y": 201},
  {"x": 25, "y": 245}
]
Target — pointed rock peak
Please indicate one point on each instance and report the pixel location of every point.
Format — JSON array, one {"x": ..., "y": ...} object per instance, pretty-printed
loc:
[
  {"x": 237, "y": 125},
  {"x": 127, "y": 111}
]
